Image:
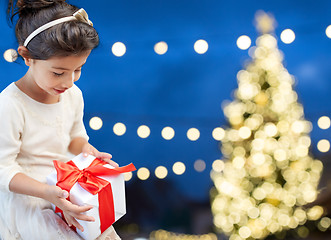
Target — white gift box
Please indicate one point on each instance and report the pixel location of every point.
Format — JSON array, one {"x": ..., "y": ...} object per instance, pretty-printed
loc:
[{"x": 80, "y": 196}]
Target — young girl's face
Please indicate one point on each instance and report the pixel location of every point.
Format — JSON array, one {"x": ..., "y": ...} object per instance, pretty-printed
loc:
[{"x": 55, "y": 75}]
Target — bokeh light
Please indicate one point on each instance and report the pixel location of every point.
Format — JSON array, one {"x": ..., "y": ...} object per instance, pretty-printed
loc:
[
  {"x": 324, "y": 122},
  {"x": 328, "y": 31},
  {"x": 118, "y": 49},
  {"x": 143, "y": 173},
  {"x": 218, "y": 133},
  {"x": 119, "y": 129},
  {"x": 161, "y": 48},
  {"x": 193, "y": 134},
  {"x": 201, "y": 46},
  {"x": 244, "y": 42},
  {"x": 199, "y": 165},
  {"x": 323, "y": 145},
  {"x": 95, "y": 123},
  {"x": 161, "y": 172},
  {"x": 218, "y": 165},
  {"x": 128, "y": 176},
  {"x": 178, "y": 168},
  {"x": 10, "y": 55},
  {"x": 168, "y": 133},
  {"x": 143, "y": 131},
  {"x": 287, "y": 36}
]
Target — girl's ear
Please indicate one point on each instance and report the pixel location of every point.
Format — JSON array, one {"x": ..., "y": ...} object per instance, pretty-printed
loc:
[{"x": 24, "y": 52}]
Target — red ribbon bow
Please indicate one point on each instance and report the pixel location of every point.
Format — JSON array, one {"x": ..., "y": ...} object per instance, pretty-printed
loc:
[{"x": 68, "y": 174}]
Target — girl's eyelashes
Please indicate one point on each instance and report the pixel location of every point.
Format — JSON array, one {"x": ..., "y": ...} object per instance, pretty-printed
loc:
[
  {"x": 57, "y": 74},
  {"x": 60, "y": 74}
]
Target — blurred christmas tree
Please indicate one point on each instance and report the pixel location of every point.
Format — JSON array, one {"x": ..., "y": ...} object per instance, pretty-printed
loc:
[{"x": 268, "y": 174}]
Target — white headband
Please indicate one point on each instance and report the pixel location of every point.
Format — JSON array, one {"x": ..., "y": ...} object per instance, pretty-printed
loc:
[{"x": 80, "y": 15}]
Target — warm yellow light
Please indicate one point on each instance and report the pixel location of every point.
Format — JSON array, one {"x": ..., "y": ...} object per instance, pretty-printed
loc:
[
  {"x": 245, "y": 232},
  {"x": 287, "y": 36},
  {"x": 118, "y": 49},
  {"x": 193, "y": 134},
  {"x": 10, "y": 55},
  {"x": 323, "y": 145},
  {"x": 253, "y": 212},
  {"x": 270, "y": 129},
  {"x": 324, "y": 122},
  {"x": 280, "y": 155},
  {"x": 218, "y": 165},
  {"x": 218, "y": 133},
  {"x": 168, "y": 133},
  {"x": 143, "y": 173},
  {"x": 328, "y": 31},
  {"x": 238, "y": 162},
  {"x": 244, "y": 42},
  {"x": 303, "y": 232},
  {"x": 244, "y": 132},
  {"x": 143, "y": 131},
  {"x": 161, "y": 48},
  {"x": 315, "y": 213},
  {"x": 199, "y": 165},
  {"x": 119, "y": 129},
  {"x": 201, "y": 46},
  {"x": 179, "y": 168},
  {"x": 298, "y": 127},
  {"x": 95, "y": 123},
  {"x": 127, "y": 176},
  {"x": 258, "y": 158},
  {"x": 161, "y": 172},
  {"x": 325, "y": 222}
]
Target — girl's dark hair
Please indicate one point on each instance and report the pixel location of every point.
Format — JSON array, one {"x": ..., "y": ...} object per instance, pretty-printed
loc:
[{"x": 67, "y": 38}]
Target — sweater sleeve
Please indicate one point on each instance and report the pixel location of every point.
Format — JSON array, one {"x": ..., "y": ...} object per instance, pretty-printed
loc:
[
  {"x": 11, "y": 125},
  {"x": 78, "y": 128}
]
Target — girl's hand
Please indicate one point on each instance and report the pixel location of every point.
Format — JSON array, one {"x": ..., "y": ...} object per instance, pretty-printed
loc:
[
  {"x": 88, "y": 149},
  {"x": 71, "y": 212}
]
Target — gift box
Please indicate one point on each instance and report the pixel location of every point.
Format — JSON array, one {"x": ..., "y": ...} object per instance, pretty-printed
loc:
[{"x": 90, "y": 181}]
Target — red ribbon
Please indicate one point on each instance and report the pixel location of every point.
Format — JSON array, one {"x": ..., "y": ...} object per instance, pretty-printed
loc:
[{"x": 68, "y": 174}]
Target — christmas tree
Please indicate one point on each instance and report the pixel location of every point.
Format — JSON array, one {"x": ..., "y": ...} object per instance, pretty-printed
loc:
[{"x": 268, "y": 174}]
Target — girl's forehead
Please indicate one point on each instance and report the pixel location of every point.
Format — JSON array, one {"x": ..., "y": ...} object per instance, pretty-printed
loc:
[{"x": 71, "y": 61}]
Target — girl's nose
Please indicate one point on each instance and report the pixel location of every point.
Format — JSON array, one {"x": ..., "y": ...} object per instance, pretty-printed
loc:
[{"x": 70, "y": 81}]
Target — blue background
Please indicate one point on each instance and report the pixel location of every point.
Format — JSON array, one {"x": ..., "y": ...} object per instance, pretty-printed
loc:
[{"x": 181, "y": 88}]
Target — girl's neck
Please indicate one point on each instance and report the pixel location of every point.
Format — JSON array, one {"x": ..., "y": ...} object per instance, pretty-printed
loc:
[{"x": 30, "y": 88}]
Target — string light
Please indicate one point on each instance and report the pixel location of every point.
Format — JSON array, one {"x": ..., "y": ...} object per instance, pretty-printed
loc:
[
  {"x": 199, "y": 165},
  {"x": 10, "y": 55},
  {"x": 179, "y": 168},
  {"x": 218, "y": 165},
  {"x": 267, "y": 140},
  {"x": 193, "y": 134},
  {"x": 244, "y": 42},
  {"x": 168, "y": 133},
  {"x": 323, "y": 145},
  {"x": 143, "y": 173},
  {"x": 119, "y": 129},
  {"x": 201, "y": 46},
  {"x": 328, "y": 31},
  {"x": 95, "y": 123},
  {"x": 218, "y": 133},
  {"x": 161, "y": 48},
  {"x": 161, "y": 172},
  {"x": 165, "y": 235},
  {"x": 118, "y": 49},
  {"x": 287, "y": 36},
  {"x": 324, "y": 122},
  {"x": 127, "y": 176},
  {"x": 143, "y": 131}
]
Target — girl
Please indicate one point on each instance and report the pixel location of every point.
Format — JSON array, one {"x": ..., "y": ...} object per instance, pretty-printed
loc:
[{"x": 41, "y": 120}]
